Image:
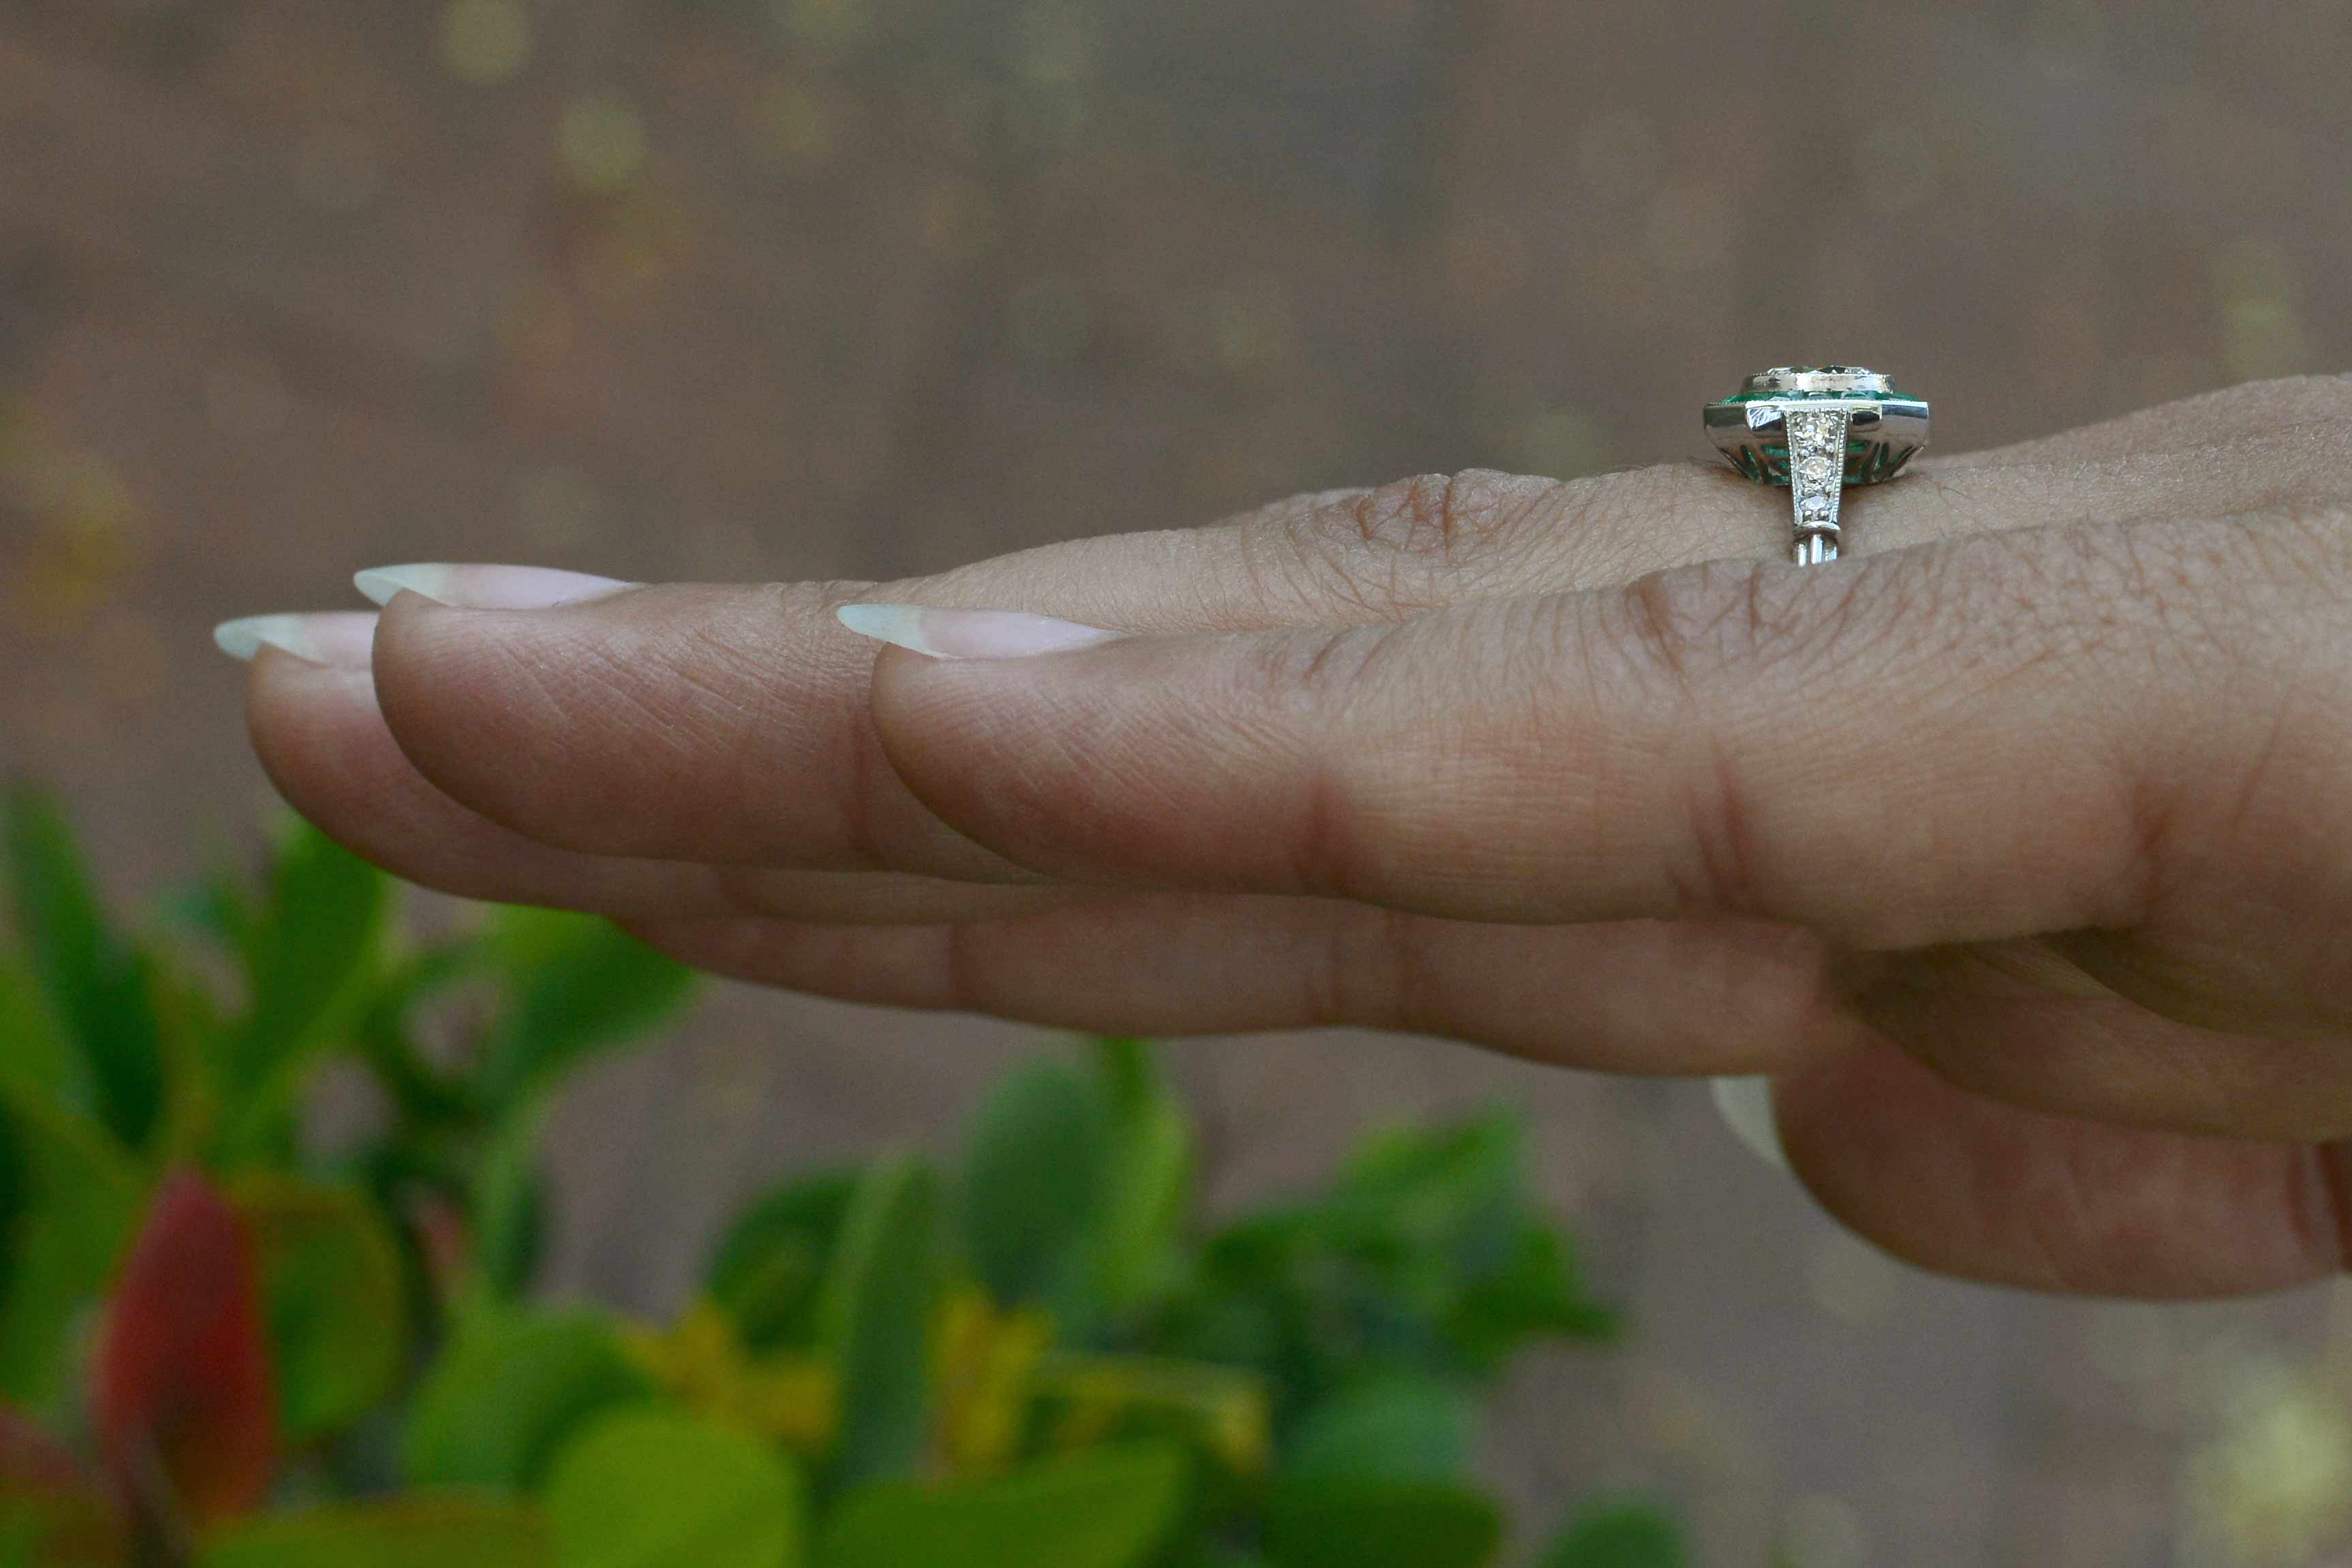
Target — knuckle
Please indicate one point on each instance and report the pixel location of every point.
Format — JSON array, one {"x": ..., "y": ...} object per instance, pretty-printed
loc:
[
  {"x": 1321, "y": 667},
  {"x": 1405, "y": 546},
  {"x": 1690, "y": 623},
  {"x": 1317, "y": 677},
  {"x": 1448, "y": 516},
  {"x": 1714, "y": 641}
]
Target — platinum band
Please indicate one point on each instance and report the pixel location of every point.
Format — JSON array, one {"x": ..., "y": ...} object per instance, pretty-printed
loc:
[{"x": 1817, "y": 431}]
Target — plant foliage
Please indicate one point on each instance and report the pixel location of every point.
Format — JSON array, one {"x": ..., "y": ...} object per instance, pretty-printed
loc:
[{"x": 224, "y": 1348}]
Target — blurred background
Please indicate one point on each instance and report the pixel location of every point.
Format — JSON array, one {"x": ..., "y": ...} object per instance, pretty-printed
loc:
[{"x": 797, "y": 289}]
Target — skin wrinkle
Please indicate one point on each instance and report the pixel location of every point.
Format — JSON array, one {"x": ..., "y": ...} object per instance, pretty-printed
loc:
[
  {"x": 1418, "y": 533},
  {"x": 1323, "y": 859},
  {"x": 1938, "y": 1003},
  {"x": 1395, "y": 973},
  {"x": 2333, "y": 1168},
  {"x": 613, "y": 674},
  {"x": 537, "y": 771},
  {"x": 865, "y": 782},
  {"x": 965, "y": 970},
  {"x": 1310, "y": 570},
  {"x": 751, "y": 717},
  {"x": 2312, "y": 1215},
  {"x": 2208, "y": 1087},
  {"x": 1671, "y": 624},
  {"x": 2054, "y": 1212}
]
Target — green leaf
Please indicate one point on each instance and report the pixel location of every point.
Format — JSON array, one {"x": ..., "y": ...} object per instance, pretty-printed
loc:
[
  {"x": 509, "y": 1205},
  {"x": 1395, "y": 1429},
  {"x": 336, "y": 1302},
  {"x": 73, "y": 1197},
  {"x": 507, "y": 1393},
  {"x": 309, "y": 951},
  {"x": 33, "y": 1055},
  {"x": 1100, "y": 1508},
  {"x": 1454, "y": 1187},
  {"x": 769, "y": 1269},
  {"x": 1427, "y": 1256},
  {"x": 54, "y": 1512},
  {"x": 410, "y": 1533},
  {"x": 651, "y": 1489},
  {"x": 1033, "y": 1180},
  {"x": 1329, "y": 1521},
  {"x": 1624, "y": 1533},
  {"x": 93, "y": 979},
  {"x": 1534, "y": 1290},
  {"x": 1148, "y": 1192},
  {"x": 874, "y": 1319},
  {"x": 575, "y": 984}
]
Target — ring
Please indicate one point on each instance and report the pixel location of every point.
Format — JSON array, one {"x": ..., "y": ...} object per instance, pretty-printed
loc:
[{"x": 1788, "y": 426}]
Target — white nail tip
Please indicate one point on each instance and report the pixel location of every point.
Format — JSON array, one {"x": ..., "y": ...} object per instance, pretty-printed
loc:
[
  {"x": 961, "y": 633},
  {"x": 380, "y": 583},
  {"x": 900, "y": 625},
  {"x": 241, "y": 640},
  {"x": 1746, "y": 1105},
  {"x": 478, "y": 586}
]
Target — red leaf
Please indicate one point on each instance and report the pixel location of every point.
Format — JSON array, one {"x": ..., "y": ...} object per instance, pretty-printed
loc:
[{"x": 185, "y": 1406}]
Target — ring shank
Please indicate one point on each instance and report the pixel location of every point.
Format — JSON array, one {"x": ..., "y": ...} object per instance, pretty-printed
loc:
[{"x": 1816, "y": 440}]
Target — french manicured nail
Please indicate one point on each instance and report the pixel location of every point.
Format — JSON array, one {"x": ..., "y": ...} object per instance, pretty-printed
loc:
[
  {"x": 470, "y": 587},
  {"x": 1746, "y": 1104},
  {"x": 970, "y": 633},
  {"x": 338, "y": 637}
]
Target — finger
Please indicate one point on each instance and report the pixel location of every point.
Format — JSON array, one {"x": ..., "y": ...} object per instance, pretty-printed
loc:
[
  {"x": 730, "y": 724},
  {"x": 319, "y": 738},
  {"x": 324, "y": 744},
  {"x": 1643, "y": 997},
  {"x": 1637, "y": 996},
  {"x": 1973, "y": 740},
  {"x": 2077, "y": 1048},
  {"x": 1973, "y": 1186}
]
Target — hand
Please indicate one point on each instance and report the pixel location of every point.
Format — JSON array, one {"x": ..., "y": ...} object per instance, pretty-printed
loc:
[{"x": 2018, "y": 844}]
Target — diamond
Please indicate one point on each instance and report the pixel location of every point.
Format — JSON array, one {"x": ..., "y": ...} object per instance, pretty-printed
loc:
[{"x": 1817, "y": 470}]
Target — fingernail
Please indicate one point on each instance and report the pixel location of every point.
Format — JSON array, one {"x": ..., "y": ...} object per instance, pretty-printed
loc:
[
  {"x": 970, "y": 633},
  {"x": 1746, "y": 1105},
  {"x": 342, "y": 638},
  {"x": 470, "y": 587}
]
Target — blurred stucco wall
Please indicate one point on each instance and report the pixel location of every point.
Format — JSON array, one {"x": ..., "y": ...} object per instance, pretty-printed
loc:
[{"x": 859, "y": 288}]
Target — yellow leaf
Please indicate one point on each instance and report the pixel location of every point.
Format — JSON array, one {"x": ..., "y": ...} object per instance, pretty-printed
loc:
[
  {"x": 794, "y": 1400},
  {"x": 982, "y": 1369},
  {"x": 1224, "y": 1407}
]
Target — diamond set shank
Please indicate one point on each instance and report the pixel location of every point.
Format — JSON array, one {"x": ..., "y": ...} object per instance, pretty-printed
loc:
[{"x": 1817, "y": 431}]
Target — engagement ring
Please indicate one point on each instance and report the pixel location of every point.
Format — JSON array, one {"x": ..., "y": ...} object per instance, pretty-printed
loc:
[{"x": 1817, "y": 430}]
